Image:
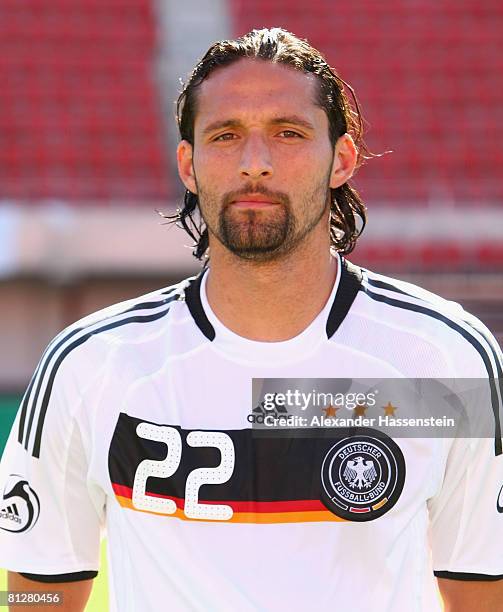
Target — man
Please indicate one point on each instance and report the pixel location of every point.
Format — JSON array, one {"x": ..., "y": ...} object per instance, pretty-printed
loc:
[{"x": 137, "y": 417}]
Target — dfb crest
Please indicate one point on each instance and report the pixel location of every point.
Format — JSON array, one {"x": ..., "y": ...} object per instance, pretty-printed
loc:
[{"x": 362, "y": 476}]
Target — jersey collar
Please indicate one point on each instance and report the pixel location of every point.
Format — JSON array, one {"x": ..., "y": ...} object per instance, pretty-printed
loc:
[
  {"x": 349, "y": 285},
  {"x": 346, "y": 287}
]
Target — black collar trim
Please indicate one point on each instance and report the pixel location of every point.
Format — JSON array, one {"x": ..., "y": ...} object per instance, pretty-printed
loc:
[
  {"x": 193, "y": 300},
  {"x": 349, "y": 285}
]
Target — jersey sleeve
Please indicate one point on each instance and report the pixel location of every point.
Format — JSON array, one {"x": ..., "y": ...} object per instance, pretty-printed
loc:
[
  {"x": 51, "y": 515},
  {"x": 466, "y": 515}
]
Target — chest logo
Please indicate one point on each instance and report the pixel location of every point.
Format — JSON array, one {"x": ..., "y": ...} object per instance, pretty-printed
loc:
[{"x": 362, "y": 476}]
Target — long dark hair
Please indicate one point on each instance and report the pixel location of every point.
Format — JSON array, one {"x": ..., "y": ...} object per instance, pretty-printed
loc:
[{"x": 278, "y": 45}]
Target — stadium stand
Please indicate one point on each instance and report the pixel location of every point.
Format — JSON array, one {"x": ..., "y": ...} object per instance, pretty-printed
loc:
[{"x": 79, "y": 111}]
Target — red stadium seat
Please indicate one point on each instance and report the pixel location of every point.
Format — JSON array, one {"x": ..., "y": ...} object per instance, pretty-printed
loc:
[{"x": 79, "y": 109}]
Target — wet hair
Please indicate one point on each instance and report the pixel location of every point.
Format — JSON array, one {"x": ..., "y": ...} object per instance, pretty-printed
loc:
[{"x": 282, "y": 47}]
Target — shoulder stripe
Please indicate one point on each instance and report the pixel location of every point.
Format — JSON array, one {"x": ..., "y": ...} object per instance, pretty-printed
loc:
[
  {"x": 48, "y": 354},
  {"x": 487, "y": 338},
  {"x": 69, "y": 349},
  {"x": 382, "y": 285},
  {"x": 24, "y": 405},
  {"x": 53, "y": 356},
  {"x": 477, "y": 345}
]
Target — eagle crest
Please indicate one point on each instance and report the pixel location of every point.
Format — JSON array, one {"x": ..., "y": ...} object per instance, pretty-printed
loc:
[{"x": 360, "y": 473}]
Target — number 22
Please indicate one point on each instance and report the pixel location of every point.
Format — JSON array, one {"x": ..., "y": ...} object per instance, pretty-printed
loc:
[{"x": 198, "y": 477}]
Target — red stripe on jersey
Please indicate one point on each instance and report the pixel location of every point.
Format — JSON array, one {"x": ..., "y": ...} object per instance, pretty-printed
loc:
[{"x": 295, "y": 505}]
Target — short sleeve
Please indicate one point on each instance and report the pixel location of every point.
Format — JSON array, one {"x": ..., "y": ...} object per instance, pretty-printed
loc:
[
  {"x": 51, "y": 517},
  {"x": 466, "y": 515}
]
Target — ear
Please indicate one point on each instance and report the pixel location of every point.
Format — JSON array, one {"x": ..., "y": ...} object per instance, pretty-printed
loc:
[
  {"x": 345, "y": 156},
  {"x": 185, "y": 167}
]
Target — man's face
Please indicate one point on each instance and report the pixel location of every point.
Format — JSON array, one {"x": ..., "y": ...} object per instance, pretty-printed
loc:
[{"x": 261, "y": 159}]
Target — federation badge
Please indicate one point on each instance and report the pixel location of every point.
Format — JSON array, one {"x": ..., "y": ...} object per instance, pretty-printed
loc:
[{"x": 362, "y": 476}]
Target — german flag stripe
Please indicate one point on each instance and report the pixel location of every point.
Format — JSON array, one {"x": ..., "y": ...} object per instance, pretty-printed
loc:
[
  {"x": 260, "y": 515},
  {"x": 254, "y": 507}
]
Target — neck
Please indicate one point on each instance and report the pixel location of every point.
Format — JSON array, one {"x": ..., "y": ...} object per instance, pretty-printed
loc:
[{"x": 271, "y": 301}]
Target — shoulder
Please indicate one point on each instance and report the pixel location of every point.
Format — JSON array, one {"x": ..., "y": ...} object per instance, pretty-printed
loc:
[
  {"x": 77, "y": 356},
  {"x": 427, "y": 317},
  {"x": 143, "y": 306},
  {"x": 110, "y": 325},
  {"x": 133, "y": 318}
]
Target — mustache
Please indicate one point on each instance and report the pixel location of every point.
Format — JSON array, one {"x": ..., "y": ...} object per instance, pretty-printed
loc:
[{"x": 276, "y": 196}]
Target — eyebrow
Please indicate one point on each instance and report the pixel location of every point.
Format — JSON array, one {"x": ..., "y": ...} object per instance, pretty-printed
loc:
[{"x": 234, "y": 123}]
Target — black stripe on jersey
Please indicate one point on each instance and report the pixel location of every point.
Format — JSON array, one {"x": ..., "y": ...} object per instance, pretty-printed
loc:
[
  {"x": 44, "y": 364},
  {"x": 497, "y": 360},
  {"x": 26, "y": 398},
  {"x": 382, "y": 285},
  {"x": 46, "y": 358},
  {"x": 468, "y": 577},
  {"x": 477, "y": 345},
  {"x": 389, "y": 287},
  {"x": 24, "y": 408},
  {"x": 72, "y": 577},
  {"x": 52, "y": 376},
  {"x": 349, "y": 285}
]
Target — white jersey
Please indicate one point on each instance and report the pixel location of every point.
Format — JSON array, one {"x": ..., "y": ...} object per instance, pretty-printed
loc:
[{"x": 137, "y": 422}]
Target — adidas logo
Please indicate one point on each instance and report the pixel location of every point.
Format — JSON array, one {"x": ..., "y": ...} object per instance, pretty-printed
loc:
[
  {"x": 258, "y": 414},
  {"x": 10, "y": 513},
  {"x": 20, "y": 506},
  {"x": 277, "y": 411}
]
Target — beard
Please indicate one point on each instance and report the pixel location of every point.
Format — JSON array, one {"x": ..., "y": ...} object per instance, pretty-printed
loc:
[
  {"x": 257, "y": 234},
  {"x": 263, "y": 235}
]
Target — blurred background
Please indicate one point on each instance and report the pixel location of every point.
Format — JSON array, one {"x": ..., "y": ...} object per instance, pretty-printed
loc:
[{"x": 87, "y": 143}]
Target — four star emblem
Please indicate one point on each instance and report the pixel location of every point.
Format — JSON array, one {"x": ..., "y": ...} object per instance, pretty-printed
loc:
[{"x": 360, "y": 410}]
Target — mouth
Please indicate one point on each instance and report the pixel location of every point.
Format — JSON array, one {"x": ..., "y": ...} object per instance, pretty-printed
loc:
[{"x": 253, "y": 201}]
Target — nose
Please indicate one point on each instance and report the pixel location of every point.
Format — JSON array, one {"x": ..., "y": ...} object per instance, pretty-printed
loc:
[{"x": 256, "y": 159}]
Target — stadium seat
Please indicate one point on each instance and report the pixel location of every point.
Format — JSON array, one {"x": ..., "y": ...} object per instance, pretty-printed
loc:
[{"x": 80, "y": 113}]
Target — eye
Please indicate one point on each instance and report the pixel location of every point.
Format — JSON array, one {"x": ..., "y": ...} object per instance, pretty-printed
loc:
[
  {"x": 224, "y": 137},
  {"x": 291, "y": 134}
]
